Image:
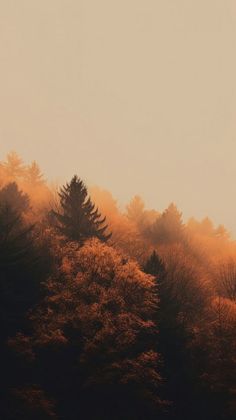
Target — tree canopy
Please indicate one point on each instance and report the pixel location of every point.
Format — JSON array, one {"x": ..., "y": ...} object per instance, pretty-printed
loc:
[{"x": 79, "y": 219}]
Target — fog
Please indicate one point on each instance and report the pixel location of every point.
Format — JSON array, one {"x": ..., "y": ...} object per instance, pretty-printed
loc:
[{"x": 136, "y": 97}]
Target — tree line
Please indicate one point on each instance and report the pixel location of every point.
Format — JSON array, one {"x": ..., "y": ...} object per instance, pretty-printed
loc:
[{"x": 110, "y": 314}]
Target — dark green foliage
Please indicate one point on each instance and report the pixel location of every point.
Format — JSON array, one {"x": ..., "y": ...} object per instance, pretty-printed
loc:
[{"x": 79, "y": 219}]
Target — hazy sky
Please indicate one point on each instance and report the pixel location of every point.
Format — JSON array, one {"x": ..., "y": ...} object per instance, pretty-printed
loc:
[{"x": 138, "y": 96}]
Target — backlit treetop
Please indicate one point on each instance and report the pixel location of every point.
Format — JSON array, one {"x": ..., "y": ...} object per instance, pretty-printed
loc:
[{"x": 78, "y": 218}]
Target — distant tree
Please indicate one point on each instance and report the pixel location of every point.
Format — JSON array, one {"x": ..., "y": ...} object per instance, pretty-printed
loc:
[
  {"x": 105, "y": 201},
  {"x": 13, "y": 198},
  {"x": 79, "y": 219},
  {"x": 207, "y": 227},
  {"x": 140, "y": 217},
  {"x": 221, "y": 232},
  {"x": 135, "y": 210},
  {"x": 13, "y": 166},
  {"x": 33, "y": 175},
  {"x": 168, "y": 228}
]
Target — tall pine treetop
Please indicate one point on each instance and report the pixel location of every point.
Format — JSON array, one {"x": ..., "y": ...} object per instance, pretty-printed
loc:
[{"x": 79, "y": 219}]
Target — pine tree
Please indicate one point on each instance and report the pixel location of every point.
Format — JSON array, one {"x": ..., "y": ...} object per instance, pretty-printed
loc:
[
  {"x": 79, "y": 219},
  {"x": 13, "y": 166},
  {"x": 33, "y": 175},
  {"x": 155, "y": 266},
  {"x": 18, "y": 286},
  {"x": 11, "y": 197},
  {"x": 168, "y": 228},
  {"x": 135, "y": 210},
  {"x": 24, "y": 263}
]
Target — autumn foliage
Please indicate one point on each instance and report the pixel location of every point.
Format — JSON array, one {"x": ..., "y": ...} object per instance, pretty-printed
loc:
[{"x": 109, "y": 313}]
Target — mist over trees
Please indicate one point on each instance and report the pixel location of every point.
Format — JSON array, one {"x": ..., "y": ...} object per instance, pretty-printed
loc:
[{"x": 110, "y": 314}]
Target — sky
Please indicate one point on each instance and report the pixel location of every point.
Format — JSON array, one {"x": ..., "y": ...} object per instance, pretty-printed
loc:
[{"x": 136, "y": 96}]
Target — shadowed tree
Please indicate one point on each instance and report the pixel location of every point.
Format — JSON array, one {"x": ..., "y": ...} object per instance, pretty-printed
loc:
[
  {"x": 155, "y": 266},
  {"x": 24, "y": 262},
  {"x": 18, "y": 278},
  {"x": 214, "y": 352},
  {"x": 12, "y": 197},
  {"x": 79, "y": 219},
  {"x": 183, "y": 298}
]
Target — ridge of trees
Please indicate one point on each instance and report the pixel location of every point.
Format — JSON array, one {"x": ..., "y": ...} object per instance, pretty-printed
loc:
[{"x": 140, "y": 324}]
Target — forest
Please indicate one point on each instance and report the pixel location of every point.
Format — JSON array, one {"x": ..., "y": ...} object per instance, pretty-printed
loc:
[{"x": 109, "y": 313}]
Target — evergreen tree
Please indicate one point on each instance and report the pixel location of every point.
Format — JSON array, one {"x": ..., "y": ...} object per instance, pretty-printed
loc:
[
  {"x": 12, "y": 198},
  {"x": 168, "y": 228},
  {"x": 13, "y": 166},
  {"x": 33, "y": 175},
  {"x": 135, "y": 210},
  {"x": 22, "y": 261},
  {"x": 155, "y": 266},
  {"x": 182, "y": 302},
  {"x": 79, "y": 219}
]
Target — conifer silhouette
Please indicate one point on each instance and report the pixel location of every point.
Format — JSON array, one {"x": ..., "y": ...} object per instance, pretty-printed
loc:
[{"x": 79, "y": 219}]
